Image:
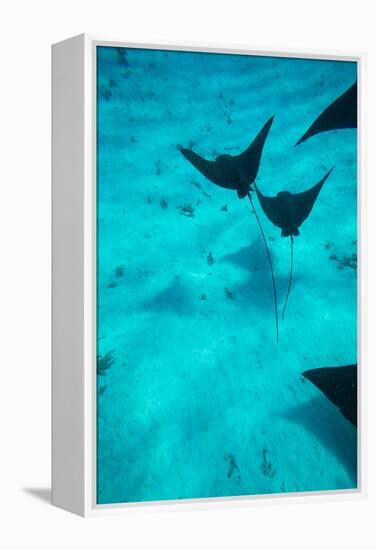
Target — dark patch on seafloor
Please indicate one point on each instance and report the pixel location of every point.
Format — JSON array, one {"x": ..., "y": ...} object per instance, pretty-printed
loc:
[{"x": 321, "y": 418}]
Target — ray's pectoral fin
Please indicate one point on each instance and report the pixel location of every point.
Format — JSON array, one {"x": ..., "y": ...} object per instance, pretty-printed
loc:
[
  {"x": 272, "y": 208},
  {"x": 341, "y": 114},
  {"x": 339, "y": 384},
  {"x": 248, "y": 162},
  {"x": 208, "y": 168},
  {"x": 303, "y": 202}
]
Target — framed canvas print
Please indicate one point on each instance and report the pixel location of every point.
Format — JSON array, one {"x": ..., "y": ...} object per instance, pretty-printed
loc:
[{"x": 206, "y": 289}]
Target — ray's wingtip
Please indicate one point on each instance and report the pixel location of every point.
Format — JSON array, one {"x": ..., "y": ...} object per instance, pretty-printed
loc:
[
  {"x": 300, "y": 141},
  {"x": 266, "y": 128},
  {"x": 184, "y": 151},
  {"x": 308, "y": 374}
]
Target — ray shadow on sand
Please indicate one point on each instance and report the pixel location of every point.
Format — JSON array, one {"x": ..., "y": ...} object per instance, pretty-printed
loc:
[
  {"x": 174, "y": 298},
  {"x": 334, "y": 432},
  {"x": 256, "y": 288},
  {"x": 249, "y": 256}
]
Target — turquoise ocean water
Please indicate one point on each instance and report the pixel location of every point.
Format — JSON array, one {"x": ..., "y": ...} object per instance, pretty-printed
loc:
[{"x": 195, "y": 397}]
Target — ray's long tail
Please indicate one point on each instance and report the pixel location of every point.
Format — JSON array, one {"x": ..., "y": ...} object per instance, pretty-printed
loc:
[
  {"x": 290, "y": 279},
  {"x": 270, "y": 262}
]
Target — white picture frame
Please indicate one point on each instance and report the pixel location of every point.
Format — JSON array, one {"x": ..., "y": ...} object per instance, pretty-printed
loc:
[{"x": 74, "y": 280}]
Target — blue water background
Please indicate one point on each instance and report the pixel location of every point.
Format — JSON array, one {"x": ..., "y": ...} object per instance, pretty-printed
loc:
[{"x": 196, "y": 397}]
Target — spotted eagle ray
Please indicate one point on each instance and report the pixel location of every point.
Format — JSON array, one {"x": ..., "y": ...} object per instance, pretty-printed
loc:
[
  {"x": 340, "y": 114},
  {"x": 288, "y": 211},
  {"x": 339, "y": 384},
  {"x": 238, "y": 172}
]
